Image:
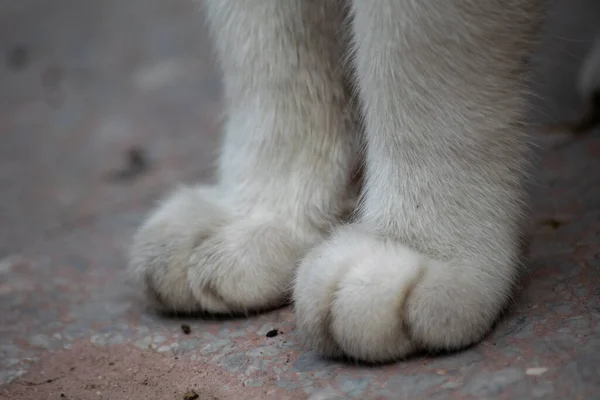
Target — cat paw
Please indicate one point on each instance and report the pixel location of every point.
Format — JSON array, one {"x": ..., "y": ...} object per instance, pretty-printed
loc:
[
  {"x": 375, "y": 300},
  {"x": 195, "y": 254}
]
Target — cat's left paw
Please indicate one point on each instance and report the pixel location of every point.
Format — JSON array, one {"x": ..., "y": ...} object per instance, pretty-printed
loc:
[{"x": 373, "y": 299}]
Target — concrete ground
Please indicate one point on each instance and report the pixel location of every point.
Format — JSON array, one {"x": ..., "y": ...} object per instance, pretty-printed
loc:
[{"x": 106, "y": 105}]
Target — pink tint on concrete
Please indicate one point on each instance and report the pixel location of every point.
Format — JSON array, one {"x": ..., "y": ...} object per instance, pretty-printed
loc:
[
  {"x": 123, "y": 372},
  {"x": 84, "y": 82}
]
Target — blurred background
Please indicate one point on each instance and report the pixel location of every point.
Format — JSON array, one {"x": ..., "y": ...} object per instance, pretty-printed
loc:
[{"x": 105, "y": 105}]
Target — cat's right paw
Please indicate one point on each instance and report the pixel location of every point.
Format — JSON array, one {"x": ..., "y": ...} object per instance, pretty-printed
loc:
[{"x": 195, "y": 254}]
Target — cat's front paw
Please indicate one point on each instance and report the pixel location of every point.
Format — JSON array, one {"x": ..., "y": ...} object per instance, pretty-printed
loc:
[
  {"x": 195, "y": 254},
  {"x": 373, "y": 299}
]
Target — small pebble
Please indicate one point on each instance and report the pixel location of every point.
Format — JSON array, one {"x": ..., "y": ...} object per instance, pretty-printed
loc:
[{"x": 185, "y": 328}]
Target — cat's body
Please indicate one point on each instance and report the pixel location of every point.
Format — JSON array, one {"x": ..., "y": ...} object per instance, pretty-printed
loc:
[{"x": 428, "y": 100}]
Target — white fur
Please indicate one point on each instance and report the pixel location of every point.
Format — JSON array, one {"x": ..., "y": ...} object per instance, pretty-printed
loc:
[
  {"x": 589, "y": 77},
  {"x": 433, "y": 253},
  {"x": 285, "y": 170}
]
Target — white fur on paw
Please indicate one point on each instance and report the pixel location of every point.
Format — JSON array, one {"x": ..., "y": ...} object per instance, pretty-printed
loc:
[
  {"x": 375, "y": 300},
  {"x": 194, "y": 254}
]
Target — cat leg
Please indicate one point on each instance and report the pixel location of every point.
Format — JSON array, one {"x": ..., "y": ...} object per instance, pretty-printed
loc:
[
  {"x": 284, "y": 169},
  {"x": 431, "y": 260}
]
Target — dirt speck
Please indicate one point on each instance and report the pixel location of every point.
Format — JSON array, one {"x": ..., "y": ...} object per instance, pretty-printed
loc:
[
  {"x": 190, "y": 395},
  {"x": 185, "y": 328},
  {"x": 272, "y": 333}
]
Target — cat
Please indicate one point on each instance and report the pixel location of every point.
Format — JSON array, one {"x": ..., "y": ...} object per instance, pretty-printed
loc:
[{"x": 373, "y": 170}]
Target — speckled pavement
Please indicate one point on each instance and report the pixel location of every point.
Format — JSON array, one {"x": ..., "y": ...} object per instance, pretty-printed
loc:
[{"x": 85, "y": 82}]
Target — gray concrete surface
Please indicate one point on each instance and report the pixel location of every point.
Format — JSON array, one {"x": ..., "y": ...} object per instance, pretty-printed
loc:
[{"x": 83, "y": 82}]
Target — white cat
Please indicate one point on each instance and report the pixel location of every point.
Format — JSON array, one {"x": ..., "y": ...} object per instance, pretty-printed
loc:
[{"x": 427, "y": 99}]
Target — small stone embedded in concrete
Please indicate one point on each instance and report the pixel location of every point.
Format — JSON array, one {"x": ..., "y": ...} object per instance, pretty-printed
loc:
[
  {"x": 537, "y": 371},
  {"x": 8, "y": 375},
  {"x": 311, "y": 362},
  {"x": 410, "y": 386},
  {"x": 491, "y": 384},
  {"x": 215, "y": 346},
  {"x": 251, "y": 382},
  {"x": 143, "y": 343},
  {"x": 268, "y": 351},
  {"x": 46, "y": 342},
  {"x": 287, "y": 384},
  {"x": 173, "y": 348},
  {"x": 104, "y": 339},
  {"x": 233, "y": 363},
  {"x": 189, "y": 344},
  {"x": 324, "y": 394},
  {"x": 159, "y": 339},
  {"x": 451, "y": 385},
  {"x": 163, "y": 349},
  {"x": 353, "y": 387}
]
